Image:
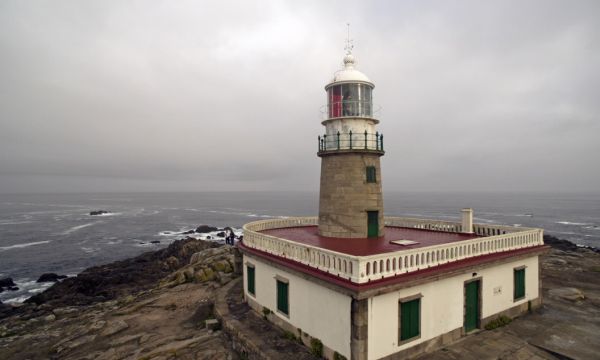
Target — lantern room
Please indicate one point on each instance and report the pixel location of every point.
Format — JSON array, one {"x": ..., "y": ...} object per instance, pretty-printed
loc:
[{"x": 350, "y": 93}]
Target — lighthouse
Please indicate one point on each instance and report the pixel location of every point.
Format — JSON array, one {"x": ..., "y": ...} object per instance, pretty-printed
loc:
[
  {"x": 352, "y": 284},
  {"x": 350, "y": 198}
]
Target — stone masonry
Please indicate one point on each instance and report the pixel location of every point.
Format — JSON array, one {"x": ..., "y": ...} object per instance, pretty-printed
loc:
[{"x": 346, "y": 196}]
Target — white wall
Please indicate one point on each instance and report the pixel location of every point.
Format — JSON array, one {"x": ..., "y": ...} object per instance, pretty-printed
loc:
[
  {"x": 318, "y": 311},
  {"x": 442, "y": 305}
]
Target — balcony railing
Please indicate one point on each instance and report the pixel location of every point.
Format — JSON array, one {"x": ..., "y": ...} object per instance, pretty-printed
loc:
[
  {"x": 351, "y": 141},
  {"x": 362, "y": 269}
]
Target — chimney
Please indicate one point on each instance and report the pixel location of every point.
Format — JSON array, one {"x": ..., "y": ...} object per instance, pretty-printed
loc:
[{"x": 467, "y": 220}]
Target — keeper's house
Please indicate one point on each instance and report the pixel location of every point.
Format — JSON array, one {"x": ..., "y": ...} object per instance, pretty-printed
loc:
[{"x": 371, "y": 287}]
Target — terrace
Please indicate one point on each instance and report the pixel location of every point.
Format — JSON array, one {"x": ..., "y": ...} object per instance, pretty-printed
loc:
[{"x": 429, "y": 243}]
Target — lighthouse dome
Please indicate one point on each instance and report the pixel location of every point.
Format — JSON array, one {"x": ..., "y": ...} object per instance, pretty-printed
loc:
[{"x": 349, "y": 73}]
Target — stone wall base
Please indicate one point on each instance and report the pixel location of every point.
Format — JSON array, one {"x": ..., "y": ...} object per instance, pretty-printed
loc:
[
  {"x": 328, "y": 353},
  {"x": 452, "y": 336},
  {"x": 515, "y": 311}
]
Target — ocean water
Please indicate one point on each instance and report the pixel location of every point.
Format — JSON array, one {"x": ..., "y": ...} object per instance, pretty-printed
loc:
[{"x": 55, "y": 233}]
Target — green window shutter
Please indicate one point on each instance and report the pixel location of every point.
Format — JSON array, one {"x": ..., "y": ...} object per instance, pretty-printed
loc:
[
  {"x": 519, "y": 284},
  {"x": 251, "y": 280},
  {"x": 410, "y": 313},
  {"x": 282, "y": 297},
  {"x": 371, "y": 174}
]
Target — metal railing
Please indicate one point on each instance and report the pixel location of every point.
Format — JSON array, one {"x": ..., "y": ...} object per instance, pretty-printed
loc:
[
  {"x": 362, "y": 269},
  {"x": 351, "y": 141}
]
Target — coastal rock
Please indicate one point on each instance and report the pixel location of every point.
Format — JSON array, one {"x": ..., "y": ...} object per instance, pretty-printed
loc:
[
  {"x": 121, "y": 278},
  {"x": 50, "y": 277},
  {"x": 155, "y": 242},
  {"x": 560, "y": 244},
  {"x": 7, "y": 284},
  {"x": 221, "y": 234},
  {"x": 568, "y": 293},
  {"x": 99, "y": 212},
  {"x": 115, "y": 327},
  {"x": 188, "y": 232},
  {"x": 205, "y": 229}
]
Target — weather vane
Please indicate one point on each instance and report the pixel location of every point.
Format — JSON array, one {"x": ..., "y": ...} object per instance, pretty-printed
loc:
[{"x": 349, "y": 42}]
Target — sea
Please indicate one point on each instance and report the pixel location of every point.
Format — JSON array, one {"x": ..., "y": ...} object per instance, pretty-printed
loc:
[{"x": 42, "y": 233}]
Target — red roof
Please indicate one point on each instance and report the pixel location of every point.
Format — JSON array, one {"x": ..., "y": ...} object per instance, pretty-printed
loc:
[{"x": 369, "y": 246}]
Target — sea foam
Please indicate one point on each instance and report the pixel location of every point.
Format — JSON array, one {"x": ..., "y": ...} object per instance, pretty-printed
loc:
[{"x": 18, "y": 246}]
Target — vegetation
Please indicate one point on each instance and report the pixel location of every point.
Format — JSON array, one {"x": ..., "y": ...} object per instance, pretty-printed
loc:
[
  {"x": 289, "y": 335},
  {"x": 266, "y": 311},
  {"x": 498, "y": 322},
  {"x": 338, "y": 356},
  {"x": 316, "y": 347}
]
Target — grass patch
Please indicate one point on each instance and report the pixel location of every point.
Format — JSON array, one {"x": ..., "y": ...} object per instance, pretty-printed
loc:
[
  {"x": 498, "y": 322},
  {"x": 316, "y": 347},
  {"x": 289, "y": 335},
  {"x": 338, "y": 356}
]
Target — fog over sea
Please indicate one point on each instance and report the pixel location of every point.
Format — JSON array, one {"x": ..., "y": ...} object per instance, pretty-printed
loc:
[{"x": 54, "y": 232}]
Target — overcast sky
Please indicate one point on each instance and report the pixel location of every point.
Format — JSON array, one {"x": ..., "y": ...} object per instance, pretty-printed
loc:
[{"x": 201, "y": 96}]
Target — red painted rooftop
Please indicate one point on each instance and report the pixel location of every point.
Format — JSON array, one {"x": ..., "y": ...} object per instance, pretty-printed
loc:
[{"x": 309, "y": 235}]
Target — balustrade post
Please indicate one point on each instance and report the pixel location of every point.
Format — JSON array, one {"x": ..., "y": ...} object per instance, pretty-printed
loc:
[
  {"x": 338, "y": 140},
  {"x": 319, "y": 142},
  {"x": 365, "y": 139},
  {"x": 377, "y": 140},
  {"x": 325, "y": 142},
  {"x": 350, "y": 139},
  {"x": 381, "y": 138}
]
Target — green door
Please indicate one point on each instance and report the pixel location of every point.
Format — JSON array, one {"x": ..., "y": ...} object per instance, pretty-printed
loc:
[
  {"x": 372, "y": 223},
  {"x": 471, "y": 305}
]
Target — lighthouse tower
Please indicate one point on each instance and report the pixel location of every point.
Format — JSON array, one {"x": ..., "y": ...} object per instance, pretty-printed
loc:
[{"x": 350, "y": 199}]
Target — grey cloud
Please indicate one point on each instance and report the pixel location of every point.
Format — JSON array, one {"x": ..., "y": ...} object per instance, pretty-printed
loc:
[{"x": 225, "y": 95}]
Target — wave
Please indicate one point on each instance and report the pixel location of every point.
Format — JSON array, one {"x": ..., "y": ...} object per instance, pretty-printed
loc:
[
  {"x": 18, "y": 246},
  {"x": 108, "y": 214},
  {"x": 573, "y": 223},
  {"x": 14, "y": 222},
  {"x": 89, "y": 250},
  {"x": 75, "y": 228},
  {"x": 27, "y": 288}
]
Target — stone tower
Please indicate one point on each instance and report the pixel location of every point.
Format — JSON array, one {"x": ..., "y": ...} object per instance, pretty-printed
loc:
[{"x": 350, "y": 199}]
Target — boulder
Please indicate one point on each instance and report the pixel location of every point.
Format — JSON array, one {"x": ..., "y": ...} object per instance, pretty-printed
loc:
[
  {"x": 568, "y": 293},
  {"x": 7, "y": 283},
  {"x": 188, "y": 232},
  {"x": 221, "y": 234},
  {"x": 205, "y": 229},
  {"x": 155, "y": 242},
  {"x": 50, "y": 277},
  {"x": 99, "y": 212}
]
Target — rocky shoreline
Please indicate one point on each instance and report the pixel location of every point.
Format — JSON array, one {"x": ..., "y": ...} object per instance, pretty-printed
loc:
[{"x": 155, "y": 305}]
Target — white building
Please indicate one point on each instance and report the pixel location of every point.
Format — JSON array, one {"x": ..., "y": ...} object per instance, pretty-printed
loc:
[{"x": 369, "y": 286}]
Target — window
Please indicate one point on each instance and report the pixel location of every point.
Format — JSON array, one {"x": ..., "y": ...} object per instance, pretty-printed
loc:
[
  {"x": 371, "y": 174},
  {"x": 250, "y": 276},
  {"x": 282, "y": 297},
  {"x": 519, "y": 284},
  {"x": 410, "y": 319}
]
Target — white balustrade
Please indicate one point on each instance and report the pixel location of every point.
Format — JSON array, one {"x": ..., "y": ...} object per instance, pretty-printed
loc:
[{"x": 362, "y": 269}]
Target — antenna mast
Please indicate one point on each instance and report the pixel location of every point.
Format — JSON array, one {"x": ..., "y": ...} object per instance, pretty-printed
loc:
[{"x": 349, "y": 42}]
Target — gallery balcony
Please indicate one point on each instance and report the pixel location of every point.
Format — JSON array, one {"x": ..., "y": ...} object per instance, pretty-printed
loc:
[{"x": 350, "y": 142}]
